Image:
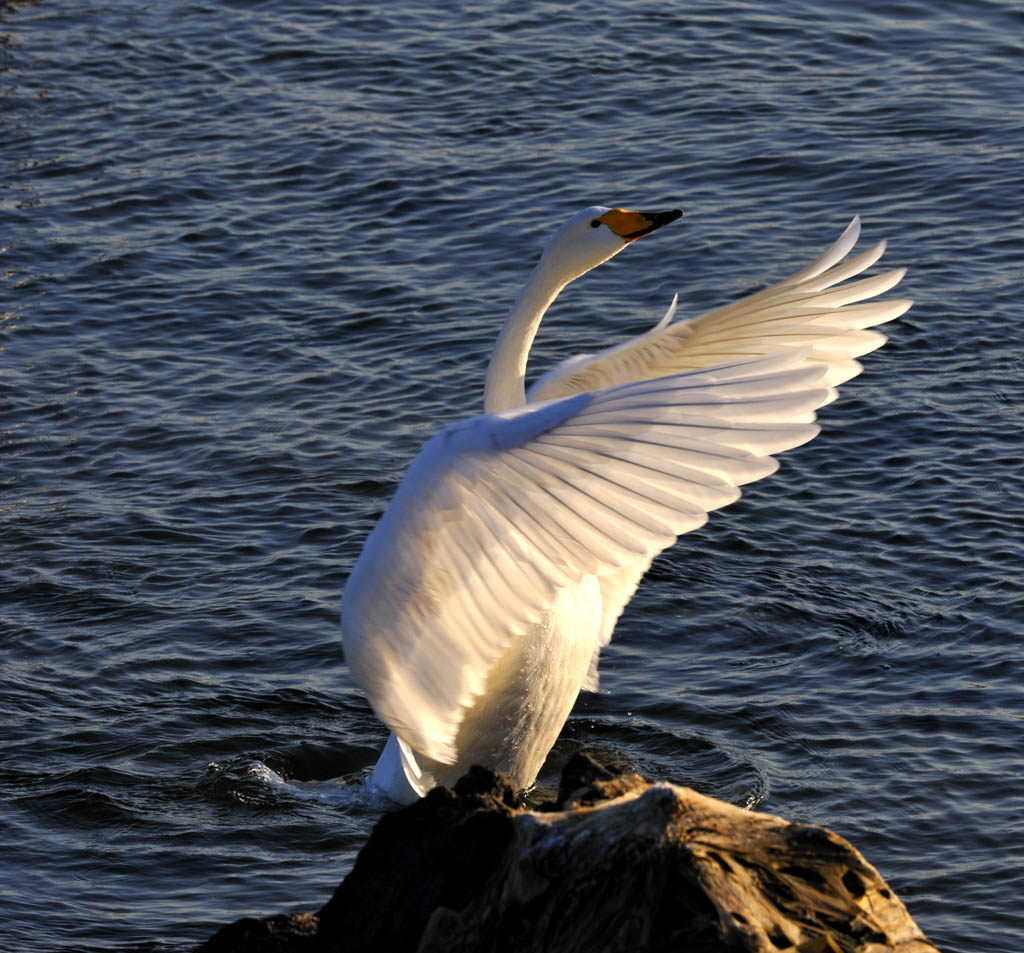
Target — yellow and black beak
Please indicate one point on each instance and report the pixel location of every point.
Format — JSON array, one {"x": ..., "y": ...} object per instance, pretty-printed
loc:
[{"x": 630, "y": 226}]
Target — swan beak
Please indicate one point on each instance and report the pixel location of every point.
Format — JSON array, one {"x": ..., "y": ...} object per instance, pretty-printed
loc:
[{"x": 630, "y": 226}]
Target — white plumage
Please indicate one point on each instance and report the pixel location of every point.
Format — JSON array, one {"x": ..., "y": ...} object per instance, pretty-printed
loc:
[{"x": 480, "y": 603}]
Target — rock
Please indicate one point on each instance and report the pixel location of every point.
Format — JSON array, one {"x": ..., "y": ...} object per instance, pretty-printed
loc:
[
  {"x": 616, "y": 863},
  {"x": 281, "y": 934}
]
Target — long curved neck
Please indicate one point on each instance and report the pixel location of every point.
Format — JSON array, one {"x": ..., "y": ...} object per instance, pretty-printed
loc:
[{"x": 505, "y": 387}]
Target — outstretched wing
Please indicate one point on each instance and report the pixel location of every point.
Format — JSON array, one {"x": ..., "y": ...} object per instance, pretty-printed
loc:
[
  {"x": 816, "y": 309},
  {"x": 499, "y": 512}
]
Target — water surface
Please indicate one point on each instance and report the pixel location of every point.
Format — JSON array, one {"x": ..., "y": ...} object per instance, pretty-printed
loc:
[{"x": 254, "y": 254}]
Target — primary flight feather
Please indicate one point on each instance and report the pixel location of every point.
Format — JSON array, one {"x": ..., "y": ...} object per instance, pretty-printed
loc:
[{"x": 478, "y": 608}]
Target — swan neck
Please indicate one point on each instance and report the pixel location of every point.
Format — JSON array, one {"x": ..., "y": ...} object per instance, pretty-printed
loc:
[{"x": 506, "y": 376}]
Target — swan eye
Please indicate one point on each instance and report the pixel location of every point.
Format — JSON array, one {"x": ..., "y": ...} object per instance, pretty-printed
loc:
[{"x": 595, "y": 223}]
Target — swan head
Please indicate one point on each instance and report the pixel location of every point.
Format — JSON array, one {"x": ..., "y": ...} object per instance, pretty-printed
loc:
[
  {"x": 596, "y": 234},
  {"x": 587, "y": 239}
]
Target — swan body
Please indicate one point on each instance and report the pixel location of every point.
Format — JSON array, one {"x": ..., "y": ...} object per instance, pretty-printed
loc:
[{"x": 480, "y": 603}]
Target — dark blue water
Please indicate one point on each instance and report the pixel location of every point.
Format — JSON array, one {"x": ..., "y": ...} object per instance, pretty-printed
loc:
[{"x": 254, "y": 254}]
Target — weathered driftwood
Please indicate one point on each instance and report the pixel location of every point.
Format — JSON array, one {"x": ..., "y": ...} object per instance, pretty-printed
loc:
[{"x": 616, "y": 864}]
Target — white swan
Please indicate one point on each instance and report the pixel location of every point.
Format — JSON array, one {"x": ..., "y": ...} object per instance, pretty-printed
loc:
[{"x": 480, "y": 603}]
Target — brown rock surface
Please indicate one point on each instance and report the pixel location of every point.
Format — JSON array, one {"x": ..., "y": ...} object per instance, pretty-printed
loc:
[{"x": 616, "y": 864}]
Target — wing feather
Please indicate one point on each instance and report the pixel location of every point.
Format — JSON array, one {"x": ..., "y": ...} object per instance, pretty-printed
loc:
[
  {"x": 661, "y": 479},
  {"x": 818, "y": 310},
  {"x": 500, "y": 512}
]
